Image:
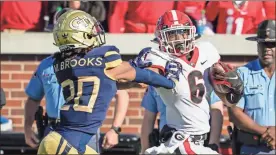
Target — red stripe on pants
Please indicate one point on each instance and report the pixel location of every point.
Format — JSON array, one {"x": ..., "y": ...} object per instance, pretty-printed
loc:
[{"x": 187, "y": 147}]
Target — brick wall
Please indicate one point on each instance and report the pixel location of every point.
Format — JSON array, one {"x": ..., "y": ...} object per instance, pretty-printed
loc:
[{"x": 16, "y": 70}]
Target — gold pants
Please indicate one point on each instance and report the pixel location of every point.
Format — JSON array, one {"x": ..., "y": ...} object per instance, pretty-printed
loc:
[{"x": 54, "y": 143}]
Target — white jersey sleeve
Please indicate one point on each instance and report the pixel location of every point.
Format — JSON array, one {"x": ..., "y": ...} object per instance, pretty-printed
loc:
[{"x": 209, "y": 54}]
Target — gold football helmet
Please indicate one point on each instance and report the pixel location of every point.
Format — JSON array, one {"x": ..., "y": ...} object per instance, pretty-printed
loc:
[{"x": 77, "y": 29}]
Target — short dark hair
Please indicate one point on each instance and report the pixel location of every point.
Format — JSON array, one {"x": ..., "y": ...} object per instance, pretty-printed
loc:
[{"x": 70, "y": 54}]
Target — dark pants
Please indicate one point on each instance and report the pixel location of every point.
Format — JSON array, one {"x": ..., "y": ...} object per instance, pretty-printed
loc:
[{"x": 245, "y": 149}]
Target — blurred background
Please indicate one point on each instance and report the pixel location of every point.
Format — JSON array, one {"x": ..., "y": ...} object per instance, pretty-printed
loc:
[{"x": 26, "y": 39}]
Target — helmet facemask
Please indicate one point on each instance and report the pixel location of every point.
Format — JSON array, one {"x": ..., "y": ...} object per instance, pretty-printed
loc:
[
  {"x": 98, "y": 32},
  {"x": 178, "y": 40}
]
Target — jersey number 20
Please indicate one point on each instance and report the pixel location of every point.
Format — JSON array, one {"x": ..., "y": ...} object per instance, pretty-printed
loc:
[{"x": 77, "y": 107}]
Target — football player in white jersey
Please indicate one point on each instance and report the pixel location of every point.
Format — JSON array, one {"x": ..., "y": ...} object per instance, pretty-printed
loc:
[{"x": 187, "y": 108}]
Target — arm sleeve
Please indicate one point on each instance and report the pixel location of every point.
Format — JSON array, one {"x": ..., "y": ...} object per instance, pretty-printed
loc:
[
  {"x": 34, "y": 88},
  {"x": 241, "y": 103},
  {"x": 116, "y": 16},
  {"x": 149, "y": 102},
  {"x": 151, "y": 78}
]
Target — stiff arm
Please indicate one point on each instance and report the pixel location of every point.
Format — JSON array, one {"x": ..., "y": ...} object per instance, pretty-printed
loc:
[{"x": 125, "y": 72}]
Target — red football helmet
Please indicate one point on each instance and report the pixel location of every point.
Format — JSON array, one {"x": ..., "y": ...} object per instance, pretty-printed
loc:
[{"x": 175, "y": 33}]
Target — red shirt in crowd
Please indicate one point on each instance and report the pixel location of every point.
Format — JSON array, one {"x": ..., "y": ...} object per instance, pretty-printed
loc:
[
  {"x": 234, "y": 20},
  {"x": 20, "y": 15},
  {"x": 191, "y": 8},
  {"x": 269, "y": 7},
  {"x": 136, "y": 16}
]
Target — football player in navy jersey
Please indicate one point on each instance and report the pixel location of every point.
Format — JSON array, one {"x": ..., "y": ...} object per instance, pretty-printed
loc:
[{"x": 88, "y": 73}]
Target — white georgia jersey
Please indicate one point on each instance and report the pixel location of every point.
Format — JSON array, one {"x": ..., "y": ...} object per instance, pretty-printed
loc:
[{"x": 187, "y": 107}]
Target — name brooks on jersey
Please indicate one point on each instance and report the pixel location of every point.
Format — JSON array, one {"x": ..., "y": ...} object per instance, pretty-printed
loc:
[{"x": 92, "y": 61}]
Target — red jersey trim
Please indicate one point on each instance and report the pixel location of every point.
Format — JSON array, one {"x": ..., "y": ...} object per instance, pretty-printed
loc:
[{"x": 194, "y": 58}]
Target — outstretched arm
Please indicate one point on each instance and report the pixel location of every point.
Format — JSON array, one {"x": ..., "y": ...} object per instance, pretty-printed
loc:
[{"x": 128, "y": 73}]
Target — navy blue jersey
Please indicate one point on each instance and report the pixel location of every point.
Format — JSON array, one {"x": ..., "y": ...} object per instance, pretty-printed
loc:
[{"x": 87, "y": 90}]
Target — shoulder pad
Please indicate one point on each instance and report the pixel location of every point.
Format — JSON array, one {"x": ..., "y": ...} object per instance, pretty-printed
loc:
[
  {"x": 104, "y": 50},
  {"x": 208, "y": 52}
]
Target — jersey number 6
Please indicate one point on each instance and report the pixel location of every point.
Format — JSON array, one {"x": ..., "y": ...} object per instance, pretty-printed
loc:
[
  {"x": 77, "y": 107},
  {"x": 197, "y": 89}
]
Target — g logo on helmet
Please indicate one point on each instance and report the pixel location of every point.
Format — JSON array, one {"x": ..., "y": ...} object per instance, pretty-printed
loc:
[{"x": 80, "y": 23}]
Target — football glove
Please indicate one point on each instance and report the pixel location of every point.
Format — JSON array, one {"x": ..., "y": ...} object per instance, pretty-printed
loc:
[
  {"x": 173, "y": 70},
  {"x": 139, "y": 61}
]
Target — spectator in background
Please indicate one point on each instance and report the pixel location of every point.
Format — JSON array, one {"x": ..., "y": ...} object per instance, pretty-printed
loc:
[
  {"x": 191, "y": 8},
  {"x": 254, "y": 115},
  {"x": 136, "y": 16},
  {"x": 94, "y": 8},
  {"x": 17, "y": 16},
  {"x": 196, "y": 11},
  {"x": 269, "y": 7},
  {"x": 235, "y": 17}
]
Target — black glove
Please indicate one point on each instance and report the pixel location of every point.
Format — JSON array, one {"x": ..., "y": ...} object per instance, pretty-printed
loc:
[
  {"x": 154, "y": 138},
  {"x": 166, "y": 133},
  {"x": 213, "y": 147}
]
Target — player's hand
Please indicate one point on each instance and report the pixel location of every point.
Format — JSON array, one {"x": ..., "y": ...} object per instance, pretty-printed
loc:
[
  {"x": 110, "y": 139},
  {"x": 269, "y": 137},
  {"x": 139, "y": 61},
  {"x": 31, "y": 138},
  {"x": 173, "y": 69}
]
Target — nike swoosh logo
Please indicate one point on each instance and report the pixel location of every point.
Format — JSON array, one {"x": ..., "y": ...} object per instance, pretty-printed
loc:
[
  {"x": 203, "y": 62},
  {"x": 233, "y": 78}
]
